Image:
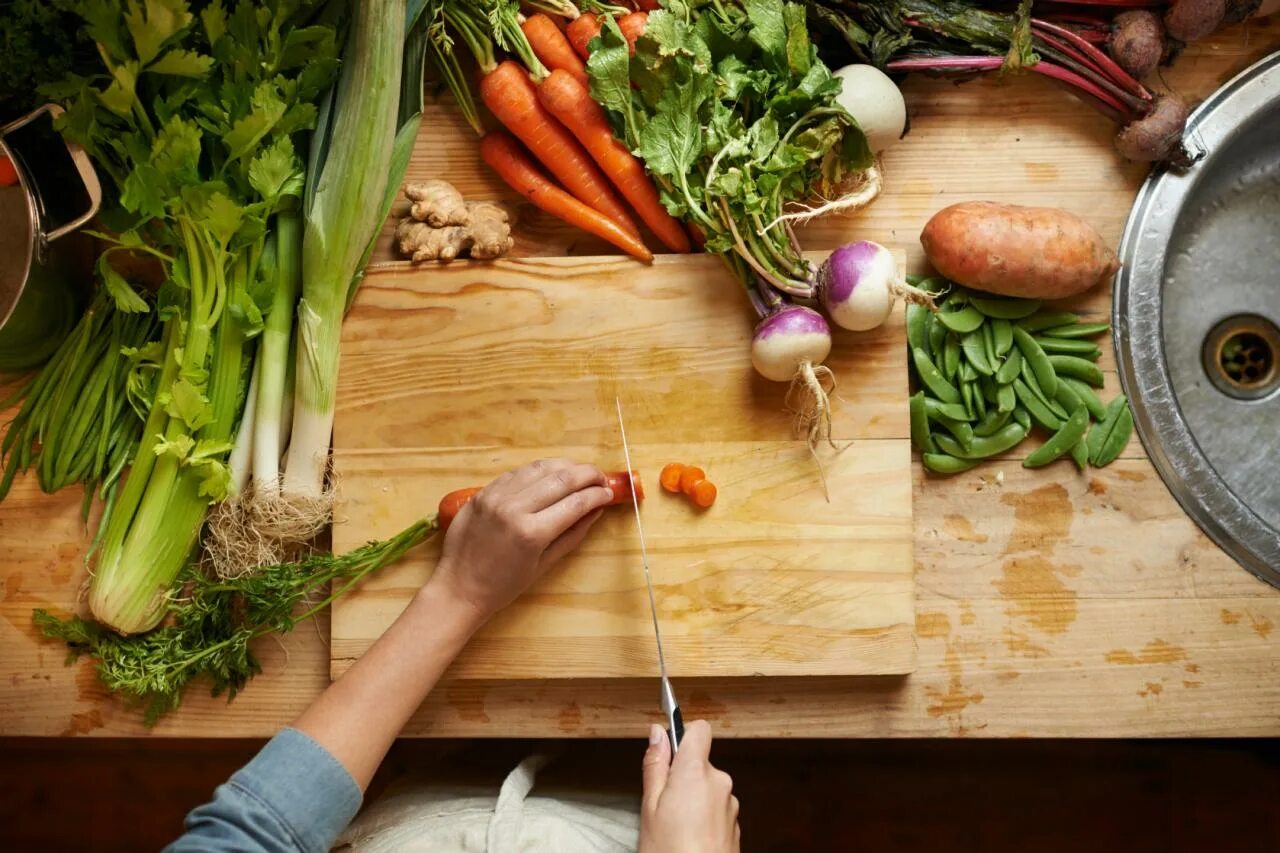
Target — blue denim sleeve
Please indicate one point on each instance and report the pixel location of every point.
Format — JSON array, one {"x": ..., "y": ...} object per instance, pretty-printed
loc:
[{"x": 293, "y": 796}]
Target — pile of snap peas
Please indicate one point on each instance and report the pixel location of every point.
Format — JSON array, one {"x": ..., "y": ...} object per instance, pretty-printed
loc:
[{"x": 989, "y": 369}]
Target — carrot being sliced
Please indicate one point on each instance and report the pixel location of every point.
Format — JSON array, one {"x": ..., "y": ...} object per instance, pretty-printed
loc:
[
  {"x": 571, "y": 103},
  {"x": 513, "y": 99},
  {"x": 581, "y": 31},
  {"x": 551, "y": 46},
  {"x": 632, "y": 27},
  {"x": 501, "y": 151}
]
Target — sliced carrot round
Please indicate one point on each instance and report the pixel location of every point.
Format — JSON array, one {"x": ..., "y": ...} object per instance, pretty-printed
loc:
[
  {"x": 690, "y": 477},
  {"x": 704, "y": 494},
  {"x": 670, "y": 477}
]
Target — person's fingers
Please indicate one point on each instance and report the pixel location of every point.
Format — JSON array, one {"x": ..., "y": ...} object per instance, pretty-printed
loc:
[
  {"x": 568, "y": 541},
  {"x": 557, "y": 485},
  {"x": 525, "y": 475},
  {"x": 734, "y": 807},
  {"x": 695, "y": 747},
  {"x": 655, "y": 767},
  {"x": 569, "y": 510}
]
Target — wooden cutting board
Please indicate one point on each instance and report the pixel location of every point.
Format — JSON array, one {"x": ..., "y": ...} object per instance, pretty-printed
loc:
[{"x": 451, "y": 375}]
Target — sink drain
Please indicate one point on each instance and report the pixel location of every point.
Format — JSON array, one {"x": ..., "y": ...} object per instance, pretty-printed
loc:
[{"x": 1242, "y": 357}]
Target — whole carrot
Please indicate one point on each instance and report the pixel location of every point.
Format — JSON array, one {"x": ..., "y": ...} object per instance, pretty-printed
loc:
[
  {"x": 570, "y": 102},
  {"x": 632, "y": 27},
  {"x": 505, "y": 156},
  {"x": 551, "y": 46},
  {"x": 513, "y": 99},
  {"x": 581, "y": 31}
]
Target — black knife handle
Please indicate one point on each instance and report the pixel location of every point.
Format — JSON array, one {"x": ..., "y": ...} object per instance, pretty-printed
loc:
[{"x": 676, "y": 732}]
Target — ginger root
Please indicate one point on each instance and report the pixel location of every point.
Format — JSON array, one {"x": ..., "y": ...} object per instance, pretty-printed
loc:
[
  {"x": 484, "y": 232},
  {"x": 437, "y": 203}
]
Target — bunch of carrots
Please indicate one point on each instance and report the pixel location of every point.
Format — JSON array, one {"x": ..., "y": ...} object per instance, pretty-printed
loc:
[{"x": 541, "y": 96}]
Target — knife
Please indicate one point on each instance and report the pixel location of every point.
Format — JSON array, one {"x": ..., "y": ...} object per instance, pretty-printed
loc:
[{"x": 670, "y": 708}]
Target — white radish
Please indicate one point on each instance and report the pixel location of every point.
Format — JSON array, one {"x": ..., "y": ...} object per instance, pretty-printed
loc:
[{"x": 875, "y": 103}]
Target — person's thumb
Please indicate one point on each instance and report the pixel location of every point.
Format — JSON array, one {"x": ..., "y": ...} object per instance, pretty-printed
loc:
[{"x": 656, "y": 766}]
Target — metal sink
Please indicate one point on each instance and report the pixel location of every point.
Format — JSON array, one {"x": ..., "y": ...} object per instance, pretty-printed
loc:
[{"x": 1197, "y": 311}]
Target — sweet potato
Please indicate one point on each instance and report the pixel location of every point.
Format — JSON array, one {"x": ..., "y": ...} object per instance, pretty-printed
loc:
[{"x": 1029, "y": 252}]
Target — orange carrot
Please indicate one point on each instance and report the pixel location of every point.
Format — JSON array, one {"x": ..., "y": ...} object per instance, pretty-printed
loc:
[
  {"x": 670, "y": 477},
  {"x": 513, "y": 98},
  {"x": 451, "y": 504},
  {"x": 690, "y": 477},
  {"x": 632, "y": 27},
  {"x": 570, "y": 102},
  {"x": 704, "y": 494},
  {"x": 501, "y": 151},
  {"x": 581, "y": 31},
  {"x": 551, "y": 46},
  {"x": 619, "y": 483}
]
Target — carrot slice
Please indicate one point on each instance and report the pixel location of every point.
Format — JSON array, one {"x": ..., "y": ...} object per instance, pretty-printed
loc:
[
  {"x": 690, "y": 477},
  {"x": 704, "y": 494},
  {"x": 670, "y": 477}
]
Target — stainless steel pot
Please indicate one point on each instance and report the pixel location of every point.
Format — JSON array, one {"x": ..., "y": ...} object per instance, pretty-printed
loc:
[{"x": 57, "y": 192}]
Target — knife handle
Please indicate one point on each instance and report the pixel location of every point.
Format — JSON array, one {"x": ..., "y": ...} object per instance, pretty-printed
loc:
[{"x": 676, "y": 731}]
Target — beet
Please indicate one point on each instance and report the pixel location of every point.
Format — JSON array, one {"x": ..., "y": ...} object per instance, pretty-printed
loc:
[
  {"x": 1156, "y": 136},
  {"x": 1238, "y": 10},
  {"x": 1191, "y": 20},
  {"x": 1137, "y": 42}
]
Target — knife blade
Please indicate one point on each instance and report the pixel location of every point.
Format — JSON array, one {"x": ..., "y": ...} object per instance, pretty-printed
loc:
[{"x": 670, "y": 707}]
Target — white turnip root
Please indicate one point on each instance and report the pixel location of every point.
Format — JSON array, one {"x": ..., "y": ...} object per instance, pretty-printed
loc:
[
  {"x": 858, "y": 283},
  {"x": 875, "y": 103},
  {"x": 1137, "y": 42},
  {"x": 789, "y": 345}
]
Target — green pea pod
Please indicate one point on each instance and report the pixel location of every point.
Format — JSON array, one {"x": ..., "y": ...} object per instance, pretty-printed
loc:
[
  {"x": 1047, "y": 320},
  {"x": 1080, "y": 454},
  {"x": 1029, "y": 377},
  {"x": 920, "y": 425},
  {"x": 936, "y": 333},
  {"x": 941, "y": 463},
  {"x": 1003, "y": 439},
  {"x": 1038, "y": 411},
  {"x": 932, "y": 378},
  {"x": 1011, "y": 368},
  {"x": 1088, "y": 396},
  {"x": 1002, "y": 336},
  {"x": 955, "y": 411},
  {"x": 1066, "y": 346},
  {"x": 1005, "y": 309},
  {"x": 962, "y": 431},
  {"x": 1006, "y": 400},
  {"x": 975, "y": 352},
  {"x": 1068, "y": 398},
  {"x": 1067, "y": 436},
  {"x": 962, "y": 322},
  {"x": 951, "y": 358},
  {"x": 989, "y": 346},
  {"x": 914, "y": 279},
  {"x": 966, "y": 394},
  {"x": 989, "y": 388},
  {"x": 933, "y": 284},
  {"x": 1077, "y": 330},
  {"x": 1111, "y": 434},
  {"x": 992, "y": 423},
  {"x": 979, "y": 402},
  {"x": 917, "y": 316},
  {"x": 1040, "y": 363},
  {"x": 1079, "y": 368},
  {"x": 1021, "y": 418}
]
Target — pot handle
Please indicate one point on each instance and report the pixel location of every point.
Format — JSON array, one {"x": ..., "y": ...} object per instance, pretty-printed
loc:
[{"x": 84, "y": 169}]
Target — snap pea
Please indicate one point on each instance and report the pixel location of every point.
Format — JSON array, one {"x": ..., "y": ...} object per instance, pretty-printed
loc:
[
  {"x": 979, "y": 401},
  {"x": 920, "y": 425},
  {"x": 941, "y": 463},
  {"x": 955, "y": 411},
  {"x": 989, "y": 388},
  {"x": 1040, "y": 363},
  {"x": 962, "y": 321},
  {"x": 917, "y": 316},
  {"x": 1080, "y": 453},
  {"x": 967, "y": 373},
  {"x": 1077, "y": 330},
  {"x": 966, "y": 395},
  {"x": 1087, "y": 396},
  {"x": 1047, "y": 320},
  {"x": 1068, "y": 398},
  {"x": 1111, "y": 434},
  {"x": 932, "y": 378},
  {"x": 1030, "y": 378},
  {"x": 975, "y": 352},
  {"x": 937, "y": 333},
  {"x": 1079, "y": 368},
  {"x": 988, "y": 445},
  {"x": 1011, "y": 367},
  {"x": 933, "y": 284},
  {"x": 962, "y": 430},
  {"x": 950, "y": 357},
  {"x": 1061, "y": 441},
  {"x": 1038, "y": 411},
  {"x": 1006, "y": 400},
  {"x": 992, "y": 423},
  {"x": 1005, "y": 309},
  {"x": 914, "y": 278},
  {"x": 989, "y": 346},
  {"x": 1068, "y": 346},
  {"x": 1021, "y": 418},
  {"x": 1002, "y": 336}
]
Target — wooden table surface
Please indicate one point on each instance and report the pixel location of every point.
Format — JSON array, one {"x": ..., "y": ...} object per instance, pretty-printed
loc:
[{"x": 1048, "y": 603}]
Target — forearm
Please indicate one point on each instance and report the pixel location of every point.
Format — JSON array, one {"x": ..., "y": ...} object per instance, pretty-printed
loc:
[{"x": 359, "y": 716}]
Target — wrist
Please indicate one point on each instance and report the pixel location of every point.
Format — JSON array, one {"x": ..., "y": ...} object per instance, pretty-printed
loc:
[{"x": 442, "y": 604}]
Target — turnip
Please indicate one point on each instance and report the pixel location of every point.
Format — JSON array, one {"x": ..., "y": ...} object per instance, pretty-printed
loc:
[
  {"x": 789, "y": 345},
  {"x": 875, "y": 103},
  {"x": 857, "y": 285}
]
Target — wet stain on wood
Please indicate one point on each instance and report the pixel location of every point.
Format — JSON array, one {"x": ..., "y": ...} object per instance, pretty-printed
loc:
[
  {"x": 83, "y": 723},
  {"x": 570, "y": 718},
  {"x": 1230, "y": 617},
  {"x": 1008, "y": 674},
  {"x": 952, "y": 700},
  {"x": 1020, "y": 645},
  {"x": 967, "y": 616},
  {"x": 1035, "y": 591},
  {"x": 959, "y": 527},
  {"x": 1262, "y": 626},
  {"x": 1156, "y": 651},
  {"x": 1131, "y": 476},
  {"x": 1192, "y": 668},
  {"x": 1041, "y": 173},
  {"x": 1190, "y": 685},
  {"x": 930, "y": 626},
  {"x": 700, "y": 706},
  {"x": 468, "y": 702},
  {"x": 1153, "y": 689}
]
